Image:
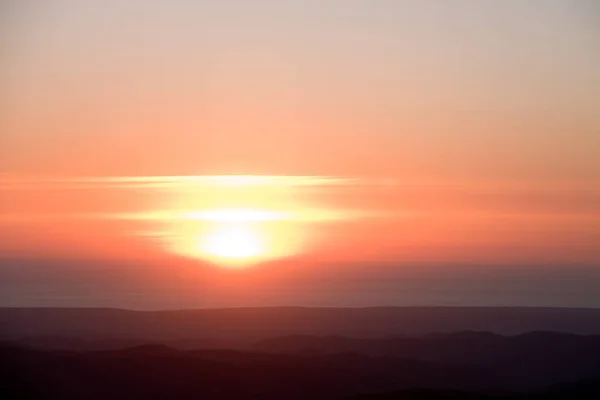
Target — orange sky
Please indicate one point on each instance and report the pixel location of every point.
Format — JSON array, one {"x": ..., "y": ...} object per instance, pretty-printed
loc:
[{"x": 412, "y": 132}]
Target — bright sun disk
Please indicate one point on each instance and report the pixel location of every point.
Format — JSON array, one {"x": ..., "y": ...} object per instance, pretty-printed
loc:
[{"x": 233, "y": 243}]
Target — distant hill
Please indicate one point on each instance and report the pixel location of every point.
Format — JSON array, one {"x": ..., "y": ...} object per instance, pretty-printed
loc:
[{"x": 244, "y": 326}]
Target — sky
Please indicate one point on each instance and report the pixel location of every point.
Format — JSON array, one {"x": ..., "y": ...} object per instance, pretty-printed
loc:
[{"x": 176, "y": 154}]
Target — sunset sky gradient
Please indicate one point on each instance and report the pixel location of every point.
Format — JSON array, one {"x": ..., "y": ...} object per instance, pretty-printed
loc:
[{"x": 409, "y": 152}]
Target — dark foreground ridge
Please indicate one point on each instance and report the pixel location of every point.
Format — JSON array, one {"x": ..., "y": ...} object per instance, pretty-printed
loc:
[{"x": 158, "y": 372}]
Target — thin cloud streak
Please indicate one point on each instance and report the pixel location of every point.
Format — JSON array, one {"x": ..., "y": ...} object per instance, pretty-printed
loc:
[
  {"x": 13, "y": 182},
  {"x": 309, "y": 215}
]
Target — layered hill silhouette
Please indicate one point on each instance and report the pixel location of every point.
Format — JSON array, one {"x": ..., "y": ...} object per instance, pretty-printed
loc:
[
  {"x": 302, "y": 353},
  {"x": 540, "y": 358}
]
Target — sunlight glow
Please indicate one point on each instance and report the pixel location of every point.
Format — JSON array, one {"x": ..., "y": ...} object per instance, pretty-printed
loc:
[
  {"x": 240, "y": 242},
  {"x": 236, "y": 215},
  {"x": 233, "y": 238},
  {"x": 241, "y": 220}
]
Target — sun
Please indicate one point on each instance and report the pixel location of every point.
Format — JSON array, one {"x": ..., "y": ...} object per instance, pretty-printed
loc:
[
  {"x": 234, "y": 237},
  {"x": 239, "y": 221},
  {"x": 233, "y": 242}
]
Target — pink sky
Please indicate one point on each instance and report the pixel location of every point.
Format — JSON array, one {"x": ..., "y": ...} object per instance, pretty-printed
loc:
[{"x": 430, "y": 131}]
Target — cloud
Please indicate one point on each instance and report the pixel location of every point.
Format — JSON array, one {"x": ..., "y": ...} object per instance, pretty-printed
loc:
[{"x": 174, "y": 181}]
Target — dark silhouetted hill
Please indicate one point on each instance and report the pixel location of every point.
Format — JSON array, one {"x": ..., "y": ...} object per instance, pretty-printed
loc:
[
  {"x": 153, "y": 373},
  {"x": 159, "y": 372},
  {"x": 583, "y": 390},
  {"x": 539, "y": 357},
  {"x": 301, "y": 353}
]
